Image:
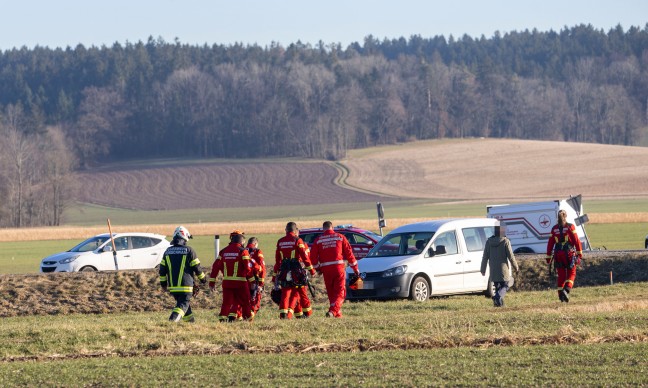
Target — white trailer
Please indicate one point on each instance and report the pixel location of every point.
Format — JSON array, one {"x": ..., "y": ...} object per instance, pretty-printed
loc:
[{"x": 528, "y": 225}]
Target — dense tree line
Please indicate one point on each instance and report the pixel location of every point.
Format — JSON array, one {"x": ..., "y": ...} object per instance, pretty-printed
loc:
[{"x": 168, "y": 99}]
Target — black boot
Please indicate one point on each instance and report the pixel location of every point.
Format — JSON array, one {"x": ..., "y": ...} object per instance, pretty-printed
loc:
[
  {"x": 566, "y": 295},
  {"x": 175, "y": 317}
]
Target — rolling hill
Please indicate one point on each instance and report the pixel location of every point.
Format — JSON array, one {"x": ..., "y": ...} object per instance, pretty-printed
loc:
[{"x": 453, "y": 170}]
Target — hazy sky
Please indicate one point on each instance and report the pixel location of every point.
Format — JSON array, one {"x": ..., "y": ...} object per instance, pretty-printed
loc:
[{"x": 63, "y": 23}]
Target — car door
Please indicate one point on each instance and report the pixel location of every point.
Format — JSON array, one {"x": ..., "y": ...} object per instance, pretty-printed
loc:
[
  {"x": 473, "y": 240},
  {"x": 447, "y": 263},
  {"x": 145, "y": 253},
  {"x": 360, "y": 244},
  {"x": 124, "y": 252}
]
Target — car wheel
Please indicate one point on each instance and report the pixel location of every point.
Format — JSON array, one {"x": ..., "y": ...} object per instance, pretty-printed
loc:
[
  {"x": 420, "y": 289},
  {"x": 490, "y": 289},
  {"x": 88, "y": 268}
]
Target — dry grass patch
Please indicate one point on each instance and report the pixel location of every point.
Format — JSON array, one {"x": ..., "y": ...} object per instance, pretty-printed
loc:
[{"x": 256, "y": 227}]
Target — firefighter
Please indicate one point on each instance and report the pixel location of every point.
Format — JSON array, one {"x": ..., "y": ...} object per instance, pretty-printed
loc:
[
  {"x": 259, "y": 272},
  {"x": 291, "y": 264},
  {"x": 564, "y": 247},
  {"x": 177, "y": 269},
  {"x": 329, "y": 252},
  {"x": 234, "y": 263}
]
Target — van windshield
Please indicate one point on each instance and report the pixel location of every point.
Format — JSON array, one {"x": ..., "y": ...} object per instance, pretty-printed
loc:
[
  {"x": 401, "y": 244},
  {"x": 90, "y": 244}
]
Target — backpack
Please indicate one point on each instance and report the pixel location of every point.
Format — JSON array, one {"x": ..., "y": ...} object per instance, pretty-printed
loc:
[{"x": 292, "y": 273}]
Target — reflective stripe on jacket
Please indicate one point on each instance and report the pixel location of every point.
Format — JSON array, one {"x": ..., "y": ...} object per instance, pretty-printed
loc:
[
  {"x": 178, "y": 267},
  {"x": 234, "y": 263},
  {"x": 332, "y": 248}
]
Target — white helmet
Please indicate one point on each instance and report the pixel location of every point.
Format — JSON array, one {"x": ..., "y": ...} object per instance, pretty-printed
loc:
[{"x": 182, "y": 233}]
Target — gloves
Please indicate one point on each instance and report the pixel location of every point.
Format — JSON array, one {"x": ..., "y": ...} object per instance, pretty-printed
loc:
[
  {"x": 578, "y": 259},
  {"x": 548, "y": 258},
  {"x": 196, "y": 290},
  {"x": 164, "y": 287},
  {"x": 312, "y": 272}
]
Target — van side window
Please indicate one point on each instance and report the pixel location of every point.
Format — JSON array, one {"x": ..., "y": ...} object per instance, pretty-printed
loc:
[
  {"x": 449, "y": 241},
  {"x": 476, "y": 237}
]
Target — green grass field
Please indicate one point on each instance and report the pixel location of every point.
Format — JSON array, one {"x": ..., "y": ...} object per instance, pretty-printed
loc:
[
  {"x": 87, "y": 215},
  {"x": 600, "y": 338},
  {"x": 25, "y": 256}
]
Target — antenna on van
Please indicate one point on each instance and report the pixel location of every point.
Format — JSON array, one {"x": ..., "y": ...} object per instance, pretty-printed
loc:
[{"x": 381, "y": 217}]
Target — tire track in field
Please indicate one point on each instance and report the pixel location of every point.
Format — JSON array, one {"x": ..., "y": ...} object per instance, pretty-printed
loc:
[{"x": 217, "y": 185}]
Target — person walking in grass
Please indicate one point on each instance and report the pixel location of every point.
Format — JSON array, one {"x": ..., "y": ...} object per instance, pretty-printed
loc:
[
  {"x": 566, "y": 251},
  {"x": 498, "y": 256},
  {"x": 330, "y": 254},
  {"x": 178, "y": 267}
]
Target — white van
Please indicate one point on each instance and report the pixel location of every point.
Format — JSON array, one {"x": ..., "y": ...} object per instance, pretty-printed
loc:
[{"x": 419, "y": 260}]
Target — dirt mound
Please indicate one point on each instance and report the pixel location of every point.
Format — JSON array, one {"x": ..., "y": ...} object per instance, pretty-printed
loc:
[
  {"x": 626, "y": 267},
  {"x": 110, "y": 292},
  {"x": 99, "y": 293}
]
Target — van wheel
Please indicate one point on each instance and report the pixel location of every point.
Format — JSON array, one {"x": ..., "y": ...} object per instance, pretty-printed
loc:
[
  {"x": 88, "y": 268},
  {"x": 524, "y": 250},
  {"x": 420, "y": 289},
  {"x": 490, "y": 289}
]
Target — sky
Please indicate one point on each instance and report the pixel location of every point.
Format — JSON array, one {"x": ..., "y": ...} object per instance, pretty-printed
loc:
[{"x": 64, "y": 23}]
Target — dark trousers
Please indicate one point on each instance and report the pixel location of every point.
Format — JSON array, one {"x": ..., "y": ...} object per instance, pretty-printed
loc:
[
  {"x": 182, "y": 308},
  {"x": 501, "y": 288}
]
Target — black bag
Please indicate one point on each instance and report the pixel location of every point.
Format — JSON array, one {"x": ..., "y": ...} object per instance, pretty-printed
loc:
[{"x": 292, "y": 273}]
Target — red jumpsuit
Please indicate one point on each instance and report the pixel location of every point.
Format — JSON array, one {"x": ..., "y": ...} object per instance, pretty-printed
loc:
[
  {"x": 292, "y": 247},
  {"x": 560, "y": 245},
  {"x": 234, "y": 262},
  {"x": 328, "y": 254},
  {"x": 259, "y": 273}
]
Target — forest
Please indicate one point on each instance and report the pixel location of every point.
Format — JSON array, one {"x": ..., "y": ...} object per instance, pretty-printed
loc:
[{"x": 89, "y": 105}]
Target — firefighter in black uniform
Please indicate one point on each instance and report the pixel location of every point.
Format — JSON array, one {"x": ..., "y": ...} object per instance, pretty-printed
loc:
[{"x": 177, "y": 269}]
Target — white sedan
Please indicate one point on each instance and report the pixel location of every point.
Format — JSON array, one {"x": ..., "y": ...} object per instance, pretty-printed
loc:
[{"x": 134, "y": 251}]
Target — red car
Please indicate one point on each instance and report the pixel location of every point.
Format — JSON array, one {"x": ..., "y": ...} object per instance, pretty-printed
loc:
[{"x": 361, "y": 240}]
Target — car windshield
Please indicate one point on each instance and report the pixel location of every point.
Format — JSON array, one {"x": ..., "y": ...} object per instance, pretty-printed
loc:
[
  {"x": 90, "y": 244},
  {"x": 400, "y": 244},
  {"x": 373, "y": 235}
]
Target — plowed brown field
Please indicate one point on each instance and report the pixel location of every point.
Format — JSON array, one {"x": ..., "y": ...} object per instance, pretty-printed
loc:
[
  {"x": 499, "y": 169},
  {"x": 469, "y": 169},
  {"x": 216, "y": 185}
]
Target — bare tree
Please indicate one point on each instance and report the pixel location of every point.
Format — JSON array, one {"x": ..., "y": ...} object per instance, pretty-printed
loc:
[
  {"x": 58, "y": 169},
  {"x": 101, "y": 122},
  {"x": 18, "y": 149}
]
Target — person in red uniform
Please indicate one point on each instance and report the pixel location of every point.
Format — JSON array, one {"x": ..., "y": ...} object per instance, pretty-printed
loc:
[
  {"x": 329, "y": 252},
  {"x": 234, "y": 263},
  {"x": 566, "y": 249},
  {"x": 291, "y": 262},
  {"x": 258, "y": 271}
]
